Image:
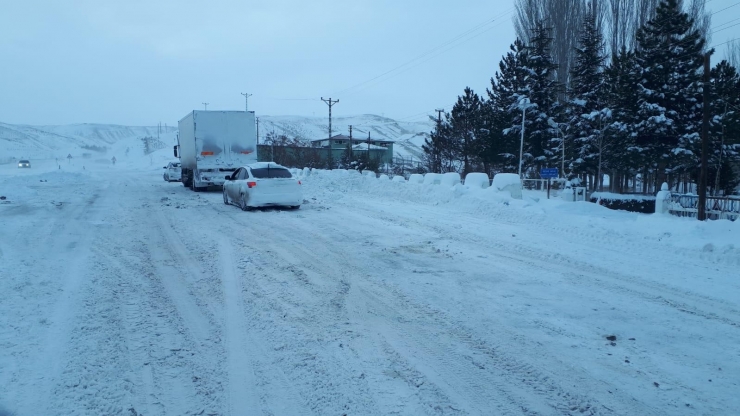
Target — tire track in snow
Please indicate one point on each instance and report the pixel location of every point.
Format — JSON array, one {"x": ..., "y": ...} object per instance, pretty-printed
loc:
[
  {"x": 48, "y": 365},
  {"x": 242, "y": 381},
  {"x": 467, "y": 389},
  {"x": 299, "y": 318},
  {"x": 173, "y": 275}
]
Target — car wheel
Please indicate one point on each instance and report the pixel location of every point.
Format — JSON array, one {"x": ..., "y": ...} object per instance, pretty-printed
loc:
[
  {"x": 166, "y": 179},
  {"x": 243, "y": 203},
  {"x": 226, "y": 197}
]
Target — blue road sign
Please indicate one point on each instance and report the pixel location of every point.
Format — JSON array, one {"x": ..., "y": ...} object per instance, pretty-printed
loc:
[{"x": 548, "y": 173}]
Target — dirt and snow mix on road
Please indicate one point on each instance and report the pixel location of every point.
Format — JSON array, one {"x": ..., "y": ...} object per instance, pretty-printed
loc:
[{"x": 124, "y": 294}]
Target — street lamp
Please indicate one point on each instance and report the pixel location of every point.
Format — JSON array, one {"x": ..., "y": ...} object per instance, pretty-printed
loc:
[
  {"x": 523, "y": 103},
  {"x": 561, "y": 136}
]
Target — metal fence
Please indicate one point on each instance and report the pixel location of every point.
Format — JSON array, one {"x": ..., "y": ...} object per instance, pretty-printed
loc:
[{"x": 687, "y": 205}]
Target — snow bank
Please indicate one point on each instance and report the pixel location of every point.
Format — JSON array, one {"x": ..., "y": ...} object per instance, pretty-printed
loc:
[
  {"x": 477, "y": 180},
  {"x": 450, "y": 179},
  {"x": 384, "y": 177},
  {"x": 399, "y": 178}
]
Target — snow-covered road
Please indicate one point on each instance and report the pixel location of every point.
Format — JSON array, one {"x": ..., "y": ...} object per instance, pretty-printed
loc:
[{"x": 123, "y": 294}]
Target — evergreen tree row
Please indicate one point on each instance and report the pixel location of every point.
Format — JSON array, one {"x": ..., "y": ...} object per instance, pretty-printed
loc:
[{"x": 636, "y": 118}]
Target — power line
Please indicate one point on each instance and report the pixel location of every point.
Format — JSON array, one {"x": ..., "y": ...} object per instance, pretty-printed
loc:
[
  {"x": 726, "y": 23},
  {"x": 427, "y": 53}
]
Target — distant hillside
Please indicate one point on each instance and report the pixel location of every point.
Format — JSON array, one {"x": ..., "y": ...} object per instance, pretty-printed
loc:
[{"x": 56, "y": 141}]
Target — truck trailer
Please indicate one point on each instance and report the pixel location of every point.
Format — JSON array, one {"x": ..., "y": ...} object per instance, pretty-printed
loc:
[{"x": 213, "y": 144}]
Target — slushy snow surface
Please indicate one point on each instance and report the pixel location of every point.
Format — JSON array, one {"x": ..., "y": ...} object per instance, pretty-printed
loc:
[{"x": 126, "y": 295}]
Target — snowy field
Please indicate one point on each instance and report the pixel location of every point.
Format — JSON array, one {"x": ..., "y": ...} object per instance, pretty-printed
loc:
[{"x": 126, "y": 295}]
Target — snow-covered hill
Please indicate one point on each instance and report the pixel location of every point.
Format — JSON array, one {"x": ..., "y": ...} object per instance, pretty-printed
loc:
[
  {"x": 22, "y": 141},
  {"x": 46, "y": 142}
]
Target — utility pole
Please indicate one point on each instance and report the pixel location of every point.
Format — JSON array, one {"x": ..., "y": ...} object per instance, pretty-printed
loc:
[
  {"x": 206, "y": 106},
  {"x": 350, "y": 142},
  {"x": 246, "y": 101},
  {"x": 721, "y": 150},
  {"x": 702, "y": 214},
  {"x": 258, "y": 130},
  {"x": 330, "y": 103},
  {"x": 438, "y": 158}
]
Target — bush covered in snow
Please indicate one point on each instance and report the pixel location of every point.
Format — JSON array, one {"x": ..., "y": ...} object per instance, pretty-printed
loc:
[
  {"x": 508, "y": 182},
  {"x": 432, "y": 179},
  {"x": 633, "y": 203},
  {"x": 476, "y": 180},
  {"x": 450, "y": 179},
  {"x": 416, "y": 178}
]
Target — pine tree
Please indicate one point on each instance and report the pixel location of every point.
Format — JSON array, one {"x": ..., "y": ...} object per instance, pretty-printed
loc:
[
  {"x": 670, "y": 54},
  {"x": 725, "y": 130},
  {"x": 466, "y": 126},
  {"x": 621, "y": 78},
  {"x": 501, "y": 144},
  {"x": 588, "y": 116},
  {"x": 541, "y": 90},
  {"x": 440, "y": 151}
]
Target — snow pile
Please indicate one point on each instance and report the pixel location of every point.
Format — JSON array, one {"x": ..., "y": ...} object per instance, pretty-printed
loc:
[
  {"x": 477, "y": 180},
  {"x": 383, "y": 177},
  {"x": 399, "y": 178}
]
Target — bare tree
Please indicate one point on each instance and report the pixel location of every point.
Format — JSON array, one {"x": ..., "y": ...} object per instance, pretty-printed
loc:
[
  {"x": 620, "y": 18},
  {"x": 565, "y": 17},
  {"x": 697, "y": 10},
  {"x": 732, "y": 53}
]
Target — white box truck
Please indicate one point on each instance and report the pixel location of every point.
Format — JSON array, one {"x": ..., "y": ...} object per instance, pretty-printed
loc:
[{"x": 213, "y": 144}]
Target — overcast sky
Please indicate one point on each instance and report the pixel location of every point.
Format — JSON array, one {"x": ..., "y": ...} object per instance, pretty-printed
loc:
[{"x": 138, "y": 62}]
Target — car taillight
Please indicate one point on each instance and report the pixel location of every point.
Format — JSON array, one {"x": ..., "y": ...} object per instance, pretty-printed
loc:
[{"x": 251, "y": 184}]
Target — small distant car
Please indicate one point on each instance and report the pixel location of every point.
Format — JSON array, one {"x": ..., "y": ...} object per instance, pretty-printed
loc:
[
  {"x": 172, "y": 172},
  {"x": 24, "y": 164},
  {"x": 263, "y": 184}
]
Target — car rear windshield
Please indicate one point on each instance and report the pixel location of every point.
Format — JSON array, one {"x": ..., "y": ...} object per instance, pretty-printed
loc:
[
  {"x": 270, "y": 173},
  {"x": 23, "y": 161}
]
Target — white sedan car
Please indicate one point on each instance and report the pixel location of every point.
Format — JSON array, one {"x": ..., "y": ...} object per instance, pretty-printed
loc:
[
  {"x": 262, "y": 184},
  {"x": 172, "y": 172}
]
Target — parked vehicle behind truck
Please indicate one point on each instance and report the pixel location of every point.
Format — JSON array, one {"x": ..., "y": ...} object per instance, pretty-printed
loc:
[{"x": 212, "y": 144}]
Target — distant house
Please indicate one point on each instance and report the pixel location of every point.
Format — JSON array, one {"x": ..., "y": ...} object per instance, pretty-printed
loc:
[{"x": 382, "y": 149}]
